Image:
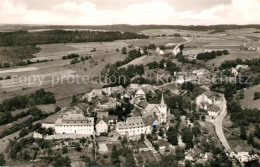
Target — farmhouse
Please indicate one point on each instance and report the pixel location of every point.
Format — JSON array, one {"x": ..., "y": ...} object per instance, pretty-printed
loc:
[
  {"x": 133, "y": 126},
  {"x": 102, "y": 125},
  {"x": 242, "y": 67},
  {"x": 140, "y": 93},
  {"x": 75, "y": 124}
]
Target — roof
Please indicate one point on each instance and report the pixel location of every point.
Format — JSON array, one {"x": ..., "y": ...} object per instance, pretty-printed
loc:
[
  {"x": 162, "y": 142},
  {"x": 131, "y": 122},
  {"x": 195, "y": 152},
  {"x": 112, "y": 117},
  {"x": 101, "y": 114},
  {"x": 51, "y": 119},
  {"x": 103, "y": 119},
  {"x": 213, "y": 108},
  {"x": 140, "y": 92},
  {"x": 149, "y": 120},
  {"x": 75, "y": 119},
  {"x": 239, "y": 148},
  {"x": 143, "y": 104}
]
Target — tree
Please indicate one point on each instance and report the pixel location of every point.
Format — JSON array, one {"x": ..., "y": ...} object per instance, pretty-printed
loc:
[
  {"x": 61, "y": 161},
  {"x": 196, "y": 131},
  {"x": 187, "y": 138},
  {"x": 74, "y": 100},
  {"x": 64, "y": 150},
  {"x": 161, "y": 132},
  {"x": 23, "y": 132},
  {"x": 243, "y": 135},
  {"x": 78, "y": 148},
  {"x": 124, "y": 51},
  {"x": 188, "y": 163},
  {"x": 2, "y": 160},
  {"x": 251, "y": 139},
  {"x": 115, "y": 156},
  {"x": 142, "y": 137},
  {"x": 188, "y": 86},
  {"x": 172, "y": 136}
]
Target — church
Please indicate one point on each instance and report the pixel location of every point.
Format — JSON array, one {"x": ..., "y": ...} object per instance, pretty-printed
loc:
[{"x": 161, "y": 111}]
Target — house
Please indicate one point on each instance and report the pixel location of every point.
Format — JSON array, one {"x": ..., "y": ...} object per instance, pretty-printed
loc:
[
  {"x": 163, "y": 144},
  {"x": 213, "y": 110},
  {"x": 140, "y": 93},
  {"x": 201, "y": 72},
  {"x": 241, "y": 153},
  {"x": 241, "y": 67},
  {"x": 161, "y": 110},
  {"x": 102, "y": 125},
  {"x": 111, "y": 90},
  {"x": 75, "y": 124},
  {"x": 207, "y": 98},
  {"x": 176, "y": 51},
  {"x": 234, "y": 71},
  {"x": 49, "y": 122},
  {"x": 132, "y": 126},
  {"x": 193, "y": 154},
  {"x": 102, "y": 114}
]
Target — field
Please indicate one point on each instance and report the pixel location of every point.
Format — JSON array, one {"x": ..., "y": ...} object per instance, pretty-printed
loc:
[
  {"x": 248, "y": 101},
  {"x": 143, "y": 60},
  {"x": 58, "y": 68}
]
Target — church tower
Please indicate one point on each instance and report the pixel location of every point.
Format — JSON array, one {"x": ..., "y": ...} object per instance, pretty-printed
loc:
[{"x": 163, "y": 111}]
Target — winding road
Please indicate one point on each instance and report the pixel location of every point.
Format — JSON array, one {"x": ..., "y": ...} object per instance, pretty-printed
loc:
[{"x": 218, "y": 122}]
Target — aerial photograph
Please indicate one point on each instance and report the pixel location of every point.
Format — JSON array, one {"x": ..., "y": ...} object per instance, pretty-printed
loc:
[{"x": 130, "y": 83}]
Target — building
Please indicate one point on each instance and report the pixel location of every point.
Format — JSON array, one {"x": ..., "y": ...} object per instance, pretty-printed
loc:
[
  {"x": 75, "y": 124},
  {"x": 241, "y": 67},
  {"x": 133, "y": 126},
  {"x": 213, "y": 110},
  {"x": 193, "y": 154},
  {"x": 102, "y": 125},
  {"x": 234, "y": 71},
  {"x": 161, "y": 110},
  {"x": 140, "y": 93},
  {"x": 201, "y": 72},
  {"x": 206, "y": 99},
  {"x": 241, "y": 153}
]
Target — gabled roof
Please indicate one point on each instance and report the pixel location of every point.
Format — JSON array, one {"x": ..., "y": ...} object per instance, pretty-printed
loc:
[
  {"x": 131, "y": 122},
  {"x": 162, "y": 142},
  {"x": 140, "y": 92},
  {"x": 75, "y": 119},
  {"x": 103, "y": 119},
  {"x": 195, "y": 152}
]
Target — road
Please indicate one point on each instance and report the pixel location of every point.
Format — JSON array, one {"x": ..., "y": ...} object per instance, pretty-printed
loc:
[{"x": 218, "y": 122}]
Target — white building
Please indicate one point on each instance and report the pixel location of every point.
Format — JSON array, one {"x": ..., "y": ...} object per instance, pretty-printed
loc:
[
  {"x": 243, "y": 67},
  {"x": 161, "y": 110},
  {"x": 102, "y": 125},
  {"x": 133, "y": 126},
  {"x": 140, "y": 93},
  {"x": 75, "y": 124},
  {"x": 234, "y": 71},
  {"x": 208, "y": 101}
]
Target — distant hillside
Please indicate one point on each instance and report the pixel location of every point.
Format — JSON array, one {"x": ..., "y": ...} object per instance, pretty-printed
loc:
[
  {"x": 23, "y": 37},
  {"x": 125, "y": 27}
]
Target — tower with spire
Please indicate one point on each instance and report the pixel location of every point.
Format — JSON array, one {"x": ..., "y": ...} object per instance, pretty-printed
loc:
[{"x": 163, "y": 111}]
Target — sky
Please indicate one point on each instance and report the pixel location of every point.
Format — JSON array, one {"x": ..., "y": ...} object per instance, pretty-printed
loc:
[{"x": 135, "y": 12}]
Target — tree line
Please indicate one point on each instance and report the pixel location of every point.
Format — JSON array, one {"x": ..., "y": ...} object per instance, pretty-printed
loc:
[
  {"x": 22, "y": 38},
  {"x": 211, "y": 55}
]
